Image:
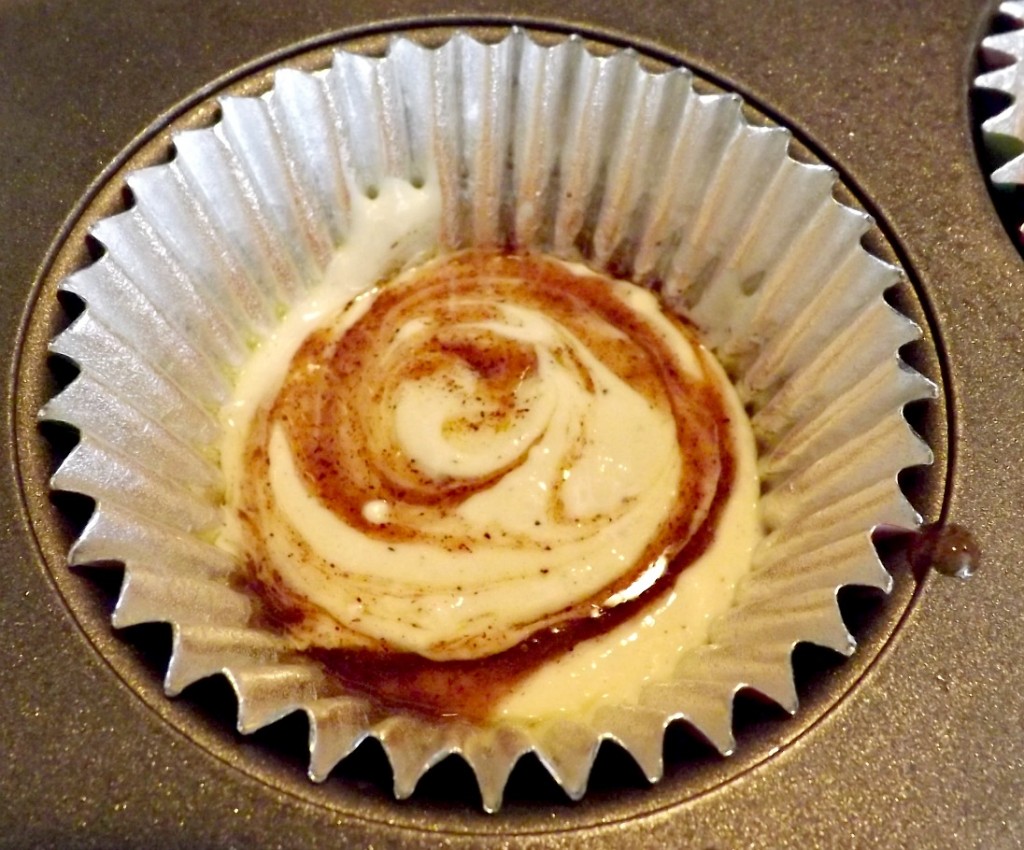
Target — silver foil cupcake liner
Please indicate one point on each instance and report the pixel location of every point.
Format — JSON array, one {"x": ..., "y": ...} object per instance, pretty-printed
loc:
[{"x": 544, "y": 147}]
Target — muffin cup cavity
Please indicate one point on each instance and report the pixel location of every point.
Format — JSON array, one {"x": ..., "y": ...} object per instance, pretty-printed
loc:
[{"x": 551, "y": 149}]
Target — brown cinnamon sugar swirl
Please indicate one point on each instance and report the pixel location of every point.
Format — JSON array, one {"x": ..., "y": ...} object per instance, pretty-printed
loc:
[{"x": 489, "y": 454}]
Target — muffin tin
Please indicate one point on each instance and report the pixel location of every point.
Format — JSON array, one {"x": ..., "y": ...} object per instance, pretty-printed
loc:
[{"x": 912, "y": 742}]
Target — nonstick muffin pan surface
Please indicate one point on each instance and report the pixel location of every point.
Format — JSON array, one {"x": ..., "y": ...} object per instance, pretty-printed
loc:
[{"x": 913, "y": 742}]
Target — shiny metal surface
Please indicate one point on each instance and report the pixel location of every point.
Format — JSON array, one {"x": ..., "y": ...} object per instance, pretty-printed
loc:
[{"x": 922, "y": 750}]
